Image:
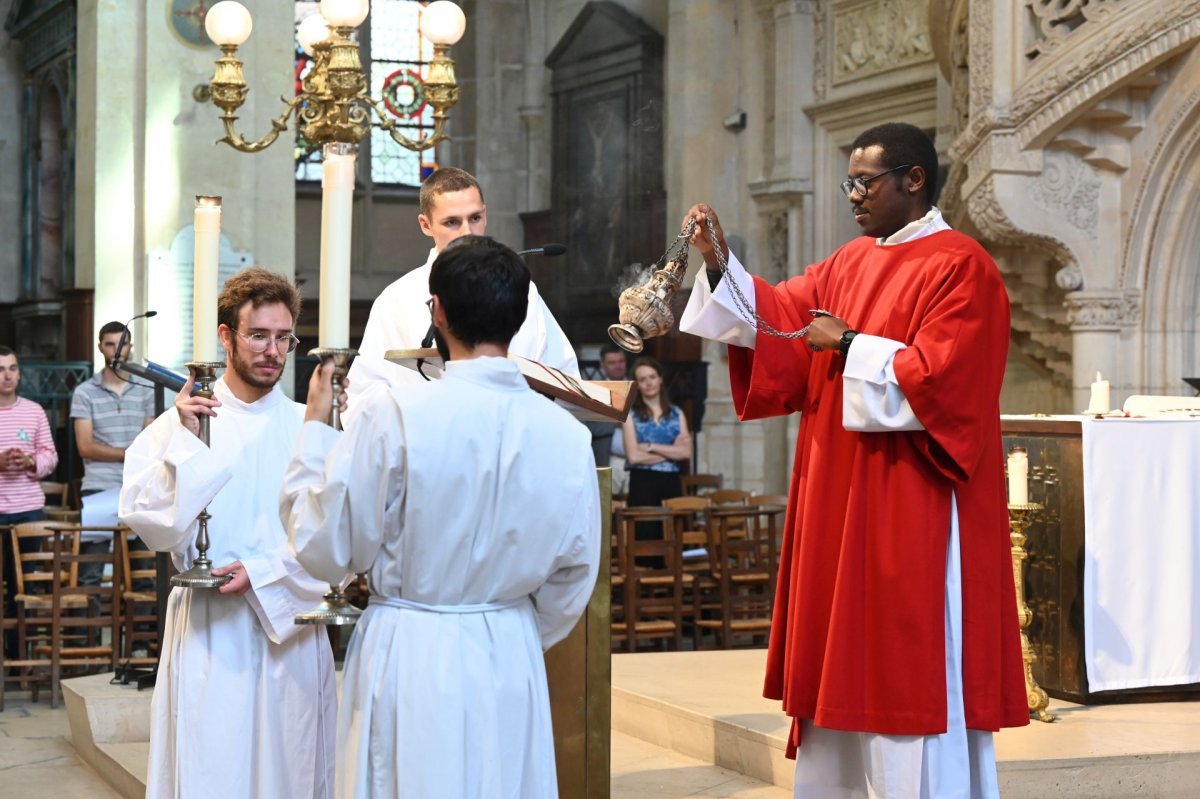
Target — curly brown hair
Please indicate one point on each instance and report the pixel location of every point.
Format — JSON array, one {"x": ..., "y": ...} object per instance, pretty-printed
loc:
[{"x": 258, "y": 287}]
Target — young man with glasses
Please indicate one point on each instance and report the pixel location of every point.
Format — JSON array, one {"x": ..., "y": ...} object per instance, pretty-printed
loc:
[
  {"x": 244, "y": 705},
  {"x": 894, "y": 642}
]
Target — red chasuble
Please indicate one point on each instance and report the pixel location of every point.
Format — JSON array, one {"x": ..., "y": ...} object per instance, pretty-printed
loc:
[{"x": 858, "y": 639}]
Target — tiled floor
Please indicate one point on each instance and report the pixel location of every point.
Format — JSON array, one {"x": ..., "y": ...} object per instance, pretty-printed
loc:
[{"x": 37, "y": 759}]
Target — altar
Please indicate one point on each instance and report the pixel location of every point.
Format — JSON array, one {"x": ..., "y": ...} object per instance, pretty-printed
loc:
[{"x": 1113, "y": 573}]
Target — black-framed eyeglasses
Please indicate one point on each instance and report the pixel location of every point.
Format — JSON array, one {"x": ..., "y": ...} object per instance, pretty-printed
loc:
[
  {"x": 257, "y": 342},
  {"x": 859, "y": 185}
]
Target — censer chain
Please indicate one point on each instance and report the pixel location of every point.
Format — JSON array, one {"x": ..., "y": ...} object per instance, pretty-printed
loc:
[{"x": 745, "y": 308}]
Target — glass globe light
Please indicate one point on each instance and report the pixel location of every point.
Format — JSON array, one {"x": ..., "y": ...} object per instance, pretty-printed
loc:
[
  {"x": 443, "y": 22},
  {"x": 345, "y": 13},
  {"x": 228, "y": 23},
  {"x": 312, "y": 31}
]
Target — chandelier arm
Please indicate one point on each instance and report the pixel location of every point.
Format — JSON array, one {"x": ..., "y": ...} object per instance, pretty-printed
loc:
[
  {"x": 435, "y": 137},
  {"x": 278, "y": 125}
]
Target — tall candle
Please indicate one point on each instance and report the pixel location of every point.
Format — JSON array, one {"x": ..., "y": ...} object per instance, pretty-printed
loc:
[
  {"x": 1099, "y": 402},
  {"x": 207, "y": 225},
  {"x": 1018, "y": 476},
  {"x": 337, "y": 203}
]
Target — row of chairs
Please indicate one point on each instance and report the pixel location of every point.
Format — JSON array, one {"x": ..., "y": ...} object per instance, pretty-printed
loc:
[
  {"x": 704, "y": 564},
  {"x": 59, "y": 624}
]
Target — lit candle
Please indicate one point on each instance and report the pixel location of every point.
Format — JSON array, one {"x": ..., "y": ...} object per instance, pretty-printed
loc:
[
  {"x": 207, "y": 225},
  {"x": 337, "y": 204},
  {"x": 1099, "y": 402},
  {"x": 1018, "y": 476}
]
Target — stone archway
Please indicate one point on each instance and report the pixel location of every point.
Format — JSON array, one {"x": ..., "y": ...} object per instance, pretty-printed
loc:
[{"x": 1164, "y": 257}]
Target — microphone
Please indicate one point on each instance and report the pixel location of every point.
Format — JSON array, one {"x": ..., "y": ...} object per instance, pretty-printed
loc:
[
  {"x": 116, "y": 359},
  {"x": 548, "y": 250}
]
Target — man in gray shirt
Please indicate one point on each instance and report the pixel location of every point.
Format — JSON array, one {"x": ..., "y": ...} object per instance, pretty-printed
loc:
[{"x": 108, "y": 411}]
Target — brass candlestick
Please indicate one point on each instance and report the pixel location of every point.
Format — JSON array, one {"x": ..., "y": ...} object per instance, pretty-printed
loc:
[
  {"x": 1020, "y": 516},
  {"x": 200, "y": 574},
  {"x": 334, "y": 608}
]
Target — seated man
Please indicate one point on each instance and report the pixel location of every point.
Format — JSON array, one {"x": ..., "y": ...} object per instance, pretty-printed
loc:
[
  {"x": 451, "y": 206},
  {"x": 474, "y": 509}
]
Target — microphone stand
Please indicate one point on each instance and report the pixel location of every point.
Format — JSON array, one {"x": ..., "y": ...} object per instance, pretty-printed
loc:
[{"x": 162, "y": 379}]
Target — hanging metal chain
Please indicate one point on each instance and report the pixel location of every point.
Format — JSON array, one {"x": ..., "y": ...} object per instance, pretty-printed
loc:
[{"x": 745, "y": 308}]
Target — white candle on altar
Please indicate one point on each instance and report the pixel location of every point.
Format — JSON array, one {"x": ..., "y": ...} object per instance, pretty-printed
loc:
[
  {"x": 337, "y": 204},
  {"x": 1018, "y": 476},
  {"x": 207, "y": 225},
  {"x": 1099, "y": 402}
]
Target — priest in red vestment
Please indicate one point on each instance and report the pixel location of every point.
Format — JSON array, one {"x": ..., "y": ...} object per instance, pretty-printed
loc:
[{"x": 894, "y": 644}]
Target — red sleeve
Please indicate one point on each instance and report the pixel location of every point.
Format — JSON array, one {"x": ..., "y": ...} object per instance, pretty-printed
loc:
[
  {"x": 771, "y": 379},
  {"x": 951, "y": 373}
]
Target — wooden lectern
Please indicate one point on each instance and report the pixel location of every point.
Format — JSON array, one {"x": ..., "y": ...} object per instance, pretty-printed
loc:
[{"x": 579, "y": 669}]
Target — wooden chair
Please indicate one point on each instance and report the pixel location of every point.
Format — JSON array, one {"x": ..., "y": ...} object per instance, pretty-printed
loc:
[
  {"x": 767, "y": 499},
  {"x": 58, "y": 502},
  {"x": 729, "y": 496},
  {"x": 139, "y": 600},
  {"x": 743, "y": 557},
  {"x": 697, "y": 484},
  {"x": 654, "y": 584},
  {"x": 58, "y": 623}
]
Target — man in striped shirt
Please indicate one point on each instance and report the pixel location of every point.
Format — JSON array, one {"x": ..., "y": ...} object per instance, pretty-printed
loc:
[
  {"x": 27, "y": 454},
  {"x": 108, "y": 411}
]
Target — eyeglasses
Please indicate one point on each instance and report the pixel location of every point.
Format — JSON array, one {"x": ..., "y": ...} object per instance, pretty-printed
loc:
[
  {"x": 258, "y": 341},
  {"x": 859, "y": 185}
]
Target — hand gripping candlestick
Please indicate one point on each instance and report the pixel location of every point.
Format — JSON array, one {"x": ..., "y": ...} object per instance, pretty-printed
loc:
[
  {"x": 200, "y": 574},
  {"x": 334, "y": 607},
  {"x": 645, "y": 311}
]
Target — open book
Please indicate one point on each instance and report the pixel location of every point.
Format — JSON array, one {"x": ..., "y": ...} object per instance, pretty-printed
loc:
[{"x": 586, "y": 400}]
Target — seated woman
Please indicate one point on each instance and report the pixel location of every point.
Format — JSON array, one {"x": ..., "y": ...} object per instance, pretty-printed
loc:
[{"x": 656, "y": 440}]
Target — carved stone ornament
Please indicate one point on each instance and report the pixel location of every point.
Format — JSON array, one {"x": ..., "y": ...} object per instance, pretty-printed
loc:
[
  {"x": 1103, "y": 311},
  {"x": 1069, "y": 278},
  {"x": 993, "y": 222},
  {"x": 1070, "y": 189},
  {"x": 874, "y": 36},
  {"x": 1055, "y": 20}
]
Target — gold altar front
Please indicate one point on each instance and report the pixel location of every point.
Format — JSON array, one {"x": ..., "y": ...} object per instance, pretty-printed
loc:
[{"x": 579, "y": 669}]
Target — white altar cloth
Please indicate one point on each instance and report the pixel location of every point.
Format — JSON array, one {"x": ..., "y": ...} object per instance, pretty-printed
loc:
[{"x": 1141, "y": 578}]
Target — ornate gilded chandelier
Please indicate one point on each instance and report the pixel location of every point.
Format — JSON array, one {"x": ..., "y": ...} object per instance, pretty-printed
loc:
[{"x": 334, "y": 104}]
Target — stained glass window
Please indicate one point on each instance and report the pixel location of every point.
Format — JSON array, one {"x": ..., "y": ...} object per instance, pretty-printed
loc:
[{"x": 395, "y": 56}]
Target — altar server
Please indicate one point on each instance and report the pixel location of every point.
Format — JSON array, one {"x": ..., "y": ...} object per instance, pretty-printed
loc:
[
  {"x": 474, "y": 510},
  {"x": 451, "y": 204},
  {"x": 894, "y": 642},
  {"x": 244, "y": 705}
]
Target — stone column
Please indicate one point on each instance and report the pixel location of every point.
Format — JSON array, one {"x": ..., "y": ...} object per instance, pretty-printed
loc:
[{"x": 1097, "y": 320}]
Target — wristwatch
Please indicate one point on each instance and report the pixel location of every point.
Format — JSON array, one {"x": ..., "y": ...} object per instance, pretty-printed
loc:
[{"x": 846, "y": 340}]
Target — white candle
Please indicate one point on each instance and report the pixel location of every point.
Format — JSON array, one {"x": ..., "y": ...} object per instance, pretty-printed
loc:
[
  {"x": 207, "y": 225},
  {"x": 1099, "y": 402},
  {"x": 337, "y": 204},
  {"x": 1018, "y": 476}
]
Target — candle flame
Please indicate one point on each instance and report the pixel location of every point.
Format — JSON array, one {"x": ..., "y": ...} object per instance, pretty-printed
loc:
[{"x": 1098, "y": 377}]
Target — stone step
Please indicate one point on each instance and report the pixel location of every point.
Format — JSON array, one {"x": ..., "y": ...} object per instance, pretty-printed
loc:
[
  {"x": 707, "y": 705},
  {"x": 641, "y": 770}
]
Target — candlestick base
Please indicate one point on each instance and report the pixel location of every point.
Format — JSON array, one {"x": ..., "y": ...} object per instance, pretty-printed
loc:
[
  {"x": 200, "y": 576},
  {"x": 334, "y": 609}
]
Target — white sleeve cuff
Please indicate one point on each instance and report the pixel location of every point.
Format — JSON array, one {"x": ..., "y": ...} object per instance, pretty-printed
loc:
[
  {"x": 714, "y": 314},
  {"x": 872, "y": 400}
]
